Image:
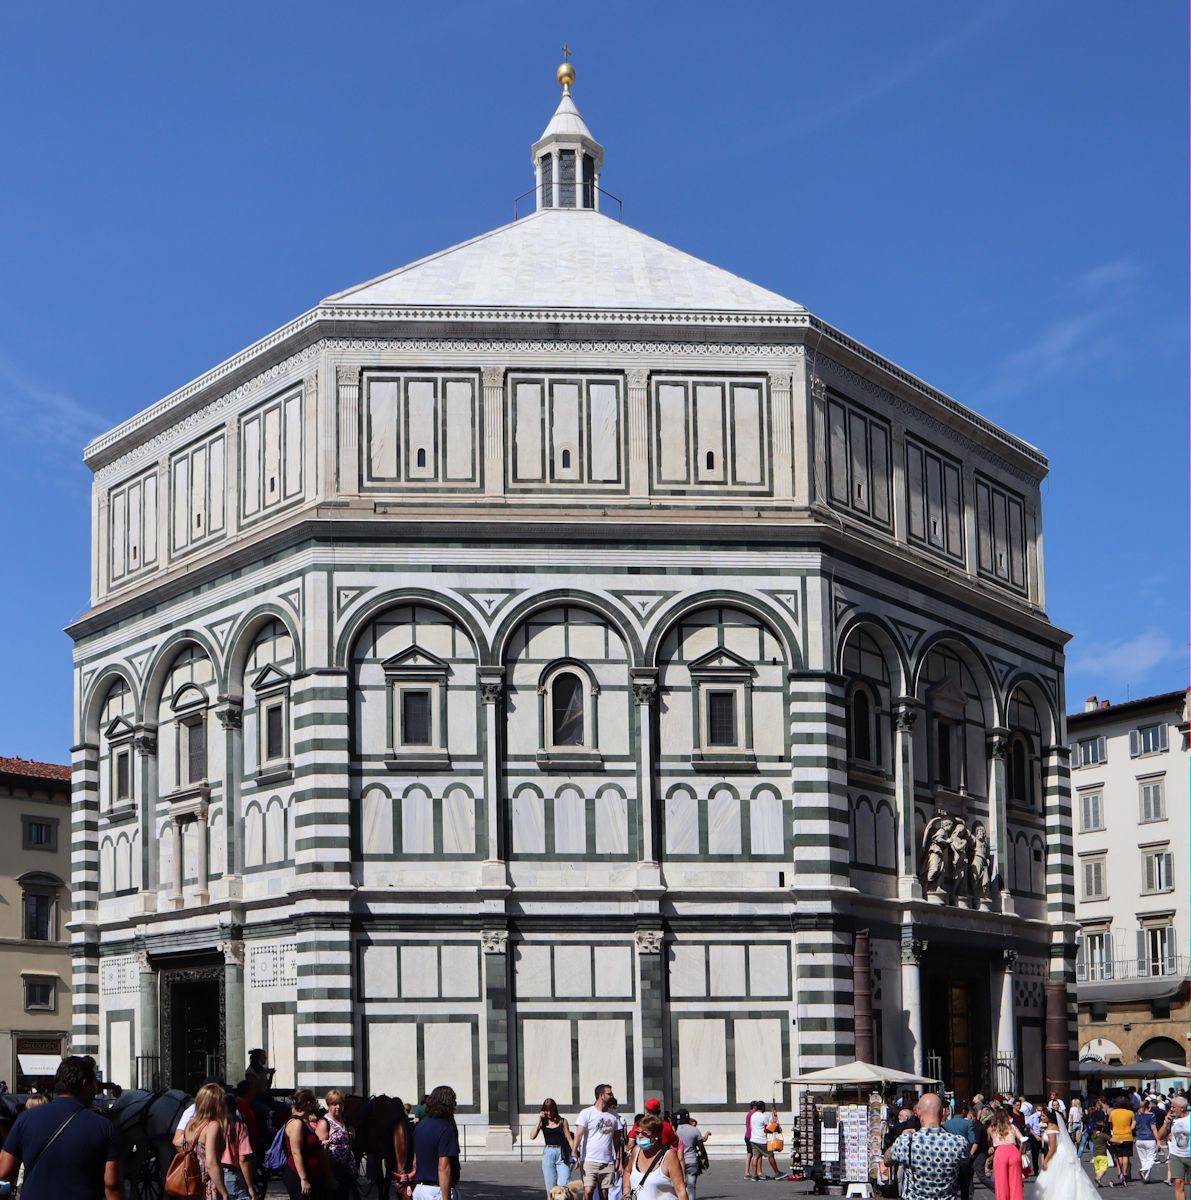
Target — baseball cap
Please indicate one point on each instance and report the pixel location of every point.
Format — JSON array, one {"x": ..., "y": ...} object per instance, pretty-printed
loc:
[{"x": 653, "y": 1104}]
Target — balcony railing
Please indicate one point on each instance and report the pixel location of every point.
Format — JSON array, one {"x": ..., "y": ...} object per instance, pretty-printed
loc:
[{"x": 1172, "y": 966}]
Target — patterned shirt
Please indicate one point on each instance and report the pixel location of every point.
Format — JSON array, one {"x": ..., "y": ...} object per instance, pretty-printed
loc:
[{"x": 932, "y": 1158}]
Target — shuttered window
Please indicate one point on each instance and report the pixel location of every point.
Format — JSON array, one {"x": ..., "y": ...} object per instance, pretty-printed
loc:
[
  {"x": 1149, "y": 739},
  {"x": 1091, "y": 811},
  {"x": 1158, "y": 871},
  {"x": 1095, "y": 883},
  {"x": 1088, "y": 752},
  {"x": 1153, "y": 801}
]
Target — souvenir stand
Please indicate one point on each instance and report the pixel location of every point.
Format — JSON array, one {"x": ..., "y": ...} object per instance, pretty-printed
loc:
[{"x": 839, "y": 1143}]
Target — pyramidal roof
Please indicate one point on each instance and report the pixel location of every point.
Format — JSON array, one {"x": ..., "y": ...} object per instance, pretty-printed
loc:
[
  {"x": 561, "y": 258},
  {"x": 566, "y": 122}
]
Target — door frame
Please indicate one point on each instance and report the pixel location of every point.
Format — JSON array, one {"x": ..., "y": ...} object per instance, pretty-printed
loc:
[{"x": 170, "y": 978}]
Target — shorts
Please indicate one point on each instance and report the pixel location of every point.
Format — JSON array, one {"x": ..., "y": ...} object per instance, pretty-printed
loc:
[
  {"x": 431, "y": 1191},
  {"x": 1120, "y": 1149},
  {"x": 1101, "y": 1163},
  {"x": 1180, "y": 1168},
  {"x": 597, "y": 1172},
  {"x": 759, "y": 1147}
]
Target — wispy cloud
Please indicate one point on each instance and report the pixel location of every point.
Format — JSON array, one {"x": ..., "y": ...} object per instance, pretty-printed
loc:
[
  {"x": 1126, "y": 660},
  {"x": 34, "y": 412},
  {"x": 1117, "y": 274}
]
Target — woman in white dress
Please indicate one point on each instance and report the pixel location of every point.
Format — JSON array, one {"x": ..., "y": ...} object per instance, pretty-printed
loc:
[
  {"x": 654, "y": 1171},
  {"x": 1064, "y": 1177}
]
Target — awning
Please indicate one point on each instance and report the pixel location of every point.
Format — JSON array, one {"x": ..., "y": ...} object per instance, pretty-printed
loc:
[
  {"x": 856, "y": 1074},
  {"x": 39, "y": 1065}
]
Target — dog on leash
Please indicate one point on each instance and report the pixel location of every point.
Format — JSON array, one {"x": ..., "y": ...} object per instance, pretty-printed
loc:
[{"x": 572, "y": 1191}]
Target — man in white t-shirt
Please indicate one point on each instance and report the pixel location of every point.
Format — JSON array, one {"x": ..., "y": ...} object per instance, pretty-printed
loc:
[
  {"x": 1176, "y": 1132},
  {"x": 758, "y": 1138},
  {"x": 598, "y": 1142}
]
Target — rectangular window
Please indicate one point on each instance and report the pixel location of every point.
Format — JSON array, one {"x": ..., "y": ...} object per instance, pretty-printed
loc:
[
  {"x": 721, "y": 718},
  {"x": 41, "y": 834},
  {"x": 195, "y": 737},
  {"x": 415, "y": 717},
  {"x": 1089, "y": 752},
  {"x": 1153, "y": 801},
  {"x": 1149, "y": 739},
  {"x": 1097, "y": 956},
  {"x": 1158, "y": 871},
  {"x": 122, "y": 783},
  {"x": 1095, "y": 883},
  {"x": 1091, "y": 811},
  {"x": 945, "y": 754},
  {"x": 1156, "y": 950},
  {"x": 38, "y": 910},
  {"x": 274, "y": 731},
  {"x": 39, "y": 995}
]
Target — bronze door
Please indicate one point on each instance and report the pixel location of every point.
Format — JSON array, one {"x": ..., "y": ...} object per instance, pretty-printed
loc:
[{"x": 959, "y": 1009}]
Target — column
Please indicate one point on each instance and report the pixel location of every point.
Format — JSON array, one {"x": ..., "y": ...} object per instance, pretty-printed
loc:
[
  {"x": 1003, "y": 1006},
  {"x": 204, "y": 848},
  {"x": 651, "y": 970},
  {"x": 825, "y": 1029},
  {"x": 998, "y": 834},
  {"x": 1058, "y": 1040},
  {"x": 1060, "y": 847},
  {"x": 494, "y": 431},
  {"x": 175, "y": 862},
  {"x": 637, "y": 382},
  {"x": 149, "y": 1059},
  {"x": 231, "y": 720},
  {"x": 347, "y": 388},
  {"x": 325, "y": 1021},
  {"x": 492, "y": 688},
  {"x": 235, "y": 1053},
  {"x": 780, "y": 384},
  {"x": 144, "y": 745},
  {"x": 497, "y": 995},
  {"x": 84, "y": 897},
  {"x": 319, "y": 702},
  {"x": 862, "y": 995},
  {"x": 645, "y": 687},
  {"x": 912, "y": 949},
  {"x": 905, "y": 714}
]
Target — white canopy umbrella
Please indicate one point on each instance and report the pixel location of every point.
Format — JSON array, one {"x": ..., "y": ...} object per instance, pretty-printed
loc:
[{"x": 856, "y": 1074}]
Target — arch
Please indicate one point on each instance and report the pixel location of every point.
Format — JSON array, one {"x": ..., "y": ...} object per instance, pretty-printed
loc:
[
  {"x": 763, "y": 612},
  {"x": 1037, "y": 866},
  {"x": 107, "y": 866},
  {"x": 977, "y": 664},
  {"x": 362, "y": 617},
  {"x": 1031, "y": 685},
  {"x": 562, "y": 598},
  {"x": 896, "y": 662},
  {"x": 864, "y": 832},
  {"x": 96, "y": 696},
  {"x": 885, "y": 825},
  {"x": 1165, "y": 1048},
  {"x": 163, "y": 660},
  {"x": 243, "y": 637}
]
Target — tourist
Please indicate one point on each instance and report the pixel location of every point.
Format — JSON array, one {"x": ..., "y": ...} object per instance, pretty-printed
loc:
[
  {"x": 598, "y": 1141},
  {"x": 307, "y": 1171},
  {"x": 337, "y": 1140},
  {"x": 246, "y": 1106},
  {"x": 653, "y": 1170},
  {"x": 557, "y": 1147},
  {"x": 205, "y": 1134},
  {"x": 1048, "y": 1136},
  {"x": 68, "y": 1151},
  {"x": 758, "y": 1139},
  {"x": 1122, "y": 1122},
  {"x": 1075, "y": 1119},
  {"x": 1175, "y": 1134},
  {"x": 238, "y": 1176},
  {"x": 960, "y": 1122},
  {"x": 1033, "y": 1118},
  {"x": 694, "y": 1154},
  {"x": 1055, "y": 1104},
  {"x": 1101, "y": 1158},
  {"x": 773, "y": 1129},
  {"x": 260, "y": 1073},
  {"x": 436, "y": 1148},
  {"x": 931, "y": 1156},
  {"x": 654, "y": 1106},
  {"x": 1145, "y": 1139},
  {"x": 1006, "y": 1142}
]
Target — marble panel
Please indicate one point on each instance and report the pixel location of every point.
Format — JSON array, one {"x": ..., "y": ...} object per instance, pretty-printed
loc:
[
  {"x": 461, "y": 719},
  {"x": 688, "y": 969},
  {"x": 133, "y": 530},
  {"x": 181, "y": 495},
  {"x": 281, "y": 1045},
  {"x": 726, "y": 967},
  {"x": 529, "y": 823},
  {"x": 420, "y": 410},
  {"x": 417, "y": 822},
  {"x": 460, "y": 971},
  {"x": 546, "y": 1060},
  {"x": 671, "y": 424},
  {"x": 377, "y": 833},
  {"x": 532, "y": 967},
  {"x": 698, "y": 638},
  {"x": 271, "y": 471},
  {"x": 293, "y": 446},
  {"x": 757, "y": 1046},
  {"x": 769, "y": 723},
  {"x": 250, "y": 739},
  {"x": 611, "y": 824},
  {"x": 190, "y": 852},
  {"x": 419, "y": 972},
  {"x": 449, "y": 1049},
  {"x": 564, "y": 422},
  {"x": 747, "y": 432},
  {"x": 217, "y": 843},
  {"x": 702, "y": 1061},
  {"x": 254, "y": 839},
  {"x": 613, "y": 972},
  {"x": 570, "y": 822},
  {"x": 215, "y": 501},
  {"x": 149, "y": 554},
  {"x": 602, "y": 1056},
  {"x": 107, "y": 865},
  {"x": 614, "y": 722},
  {"x": 572, "y": 971},
  {"x": 378, "y": 967},
  {"x": 275, "y": 848},
  {"x": 458, "y": 822},
  {"x": 461, "y": 429},
  {"x": 119, "y": 521},
  {"x": 709, "y": 433},
  {"x": 586, "y": 638},
  {"x": 723, "y": 822},
  {"x": 766, "y": 824},
  {"x": 251, "y": 466},
  {"x": 382, "y": 429},
  {"x": 527, "y": 441},
  {"x": 393, "y": 1058},
  {"x": 545, "y": 640},
  {"x": 604, "y": 420},
  {"x": 120, "y": 1052},
  {"x": 682, "y": 824},
  {"x": 769, "y": 970}
]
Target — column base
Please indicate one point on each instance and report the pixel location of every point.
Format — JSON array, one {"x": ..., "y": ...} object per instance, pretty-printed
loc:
[
  {"x": 499, "y": 1139},
  {"x": 908, "y": 887}
]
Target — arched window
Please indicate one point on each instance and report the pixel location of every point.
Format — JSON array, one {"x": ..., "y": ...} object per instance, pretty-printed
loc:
[
  {"x": 1021, "y": 775},
  {"x": 711, "y": 460},
  {"x": 566, "y": 460},
  {"x": 566, "y": 710},
  {"x": 421, "y": 457},
  {"x": 862, "y": 742}
]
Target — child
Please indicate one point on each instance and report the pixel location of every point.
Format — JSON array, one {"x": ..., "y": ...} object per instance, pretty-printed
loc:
[{"x": 1100, "y": 1160}]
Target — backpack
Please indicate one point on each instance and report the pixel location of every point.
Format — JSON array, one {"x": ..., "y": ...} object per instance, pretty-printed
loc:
[
  {"x": 275, "y": 1156},
  {"x": 184, "y": 1177}
]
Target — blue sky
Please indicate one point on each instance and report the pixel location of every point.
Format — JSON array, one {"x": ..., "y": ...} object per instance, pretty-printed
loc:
[{"x": 993, "y": 195}]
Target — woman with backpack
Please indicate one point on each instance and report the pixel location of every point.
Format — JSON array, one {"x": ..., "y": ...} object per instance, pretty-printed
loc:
[
  {"x": 204, "y": 1138},
  {"x": 306, "y": 1172}
]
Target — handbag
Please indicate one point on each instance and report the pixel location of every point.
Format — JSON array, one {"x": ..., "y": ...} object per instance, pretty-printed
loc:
[
  {"x": 775, "y": 1142},
  {"x": 1027, "y": 1164},
  {"x": 184, "y": 1177}
]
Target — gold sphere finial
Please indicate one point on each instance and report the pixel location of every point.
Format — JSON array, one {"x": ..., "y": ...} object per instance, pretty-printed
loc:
[{"x": 566, "y": 72}]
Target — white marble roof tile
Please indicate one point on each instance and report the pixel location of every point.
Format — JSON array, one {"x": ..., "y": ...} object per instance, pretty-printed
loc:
[{"x": 566, "y": 259}]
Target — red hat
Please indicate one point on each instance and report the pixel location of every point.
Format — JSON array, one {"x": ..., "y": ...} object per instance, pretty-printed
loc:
[{"x": 653, "y": 1104}]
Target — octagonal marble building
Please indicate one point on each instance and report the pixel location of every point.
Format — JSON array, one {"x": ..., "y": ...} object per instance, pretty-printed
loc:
[{"x": 545, "y": 661}]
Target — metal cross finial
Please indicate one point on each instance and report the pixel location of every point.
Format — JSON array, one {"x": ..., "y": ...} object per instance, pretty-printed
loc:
[{"x": 566, "y": 52}]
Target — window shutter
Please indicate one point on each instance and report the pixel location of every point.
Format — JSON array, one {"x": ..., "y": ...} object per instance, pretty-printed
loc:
[
  {"x": 1162, "y": 743},
  {"x": 1107, "y": 956},
  {"x": 1143, "y": 958},
  {"x": 1149, "y": 872},
  {"x": 1081, "y": 957},
  {"x": 1075, "y": 755},
  {"x": 1134, "y": 742},
  {"x": 1101, "y": 749}
]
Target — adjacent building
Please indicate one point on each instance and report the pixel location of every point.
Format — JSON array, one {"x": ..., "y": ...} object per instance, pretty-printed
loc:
[
  {"x": 1130, "y": 779},
  {"x": 545, "y": 664},
  {"x": 35, "y": 982}
]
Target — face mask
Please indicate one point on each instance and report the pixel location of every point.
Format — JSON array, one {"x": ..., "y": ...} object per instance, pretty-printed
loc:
[{"x": 644, "y": 1143}]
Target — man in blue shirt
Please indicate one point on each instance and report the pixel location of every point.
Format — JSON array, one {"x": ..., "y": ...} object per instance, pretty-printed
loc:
[
  {"x": 69, "y": 1152},
  {"x": 436, "y": 1148}
]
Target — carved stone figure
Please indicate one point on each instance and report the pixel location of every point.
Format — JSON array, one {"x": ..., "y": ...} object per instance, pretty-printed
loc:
[
  {"x": 936, "y": 852},
  {"x": 980, "y": 868}
]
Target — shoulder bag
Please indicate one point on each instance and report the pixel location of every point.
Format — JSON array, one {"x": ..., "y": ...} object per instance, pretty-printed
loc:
[
  {"x": 636, "y": 1191},
  {"x": 184, "y": 1177}
]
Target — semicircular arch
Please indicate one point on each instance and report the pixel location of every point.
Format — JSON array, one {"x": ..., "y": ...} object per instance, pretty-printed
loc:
[
  {"x": 1033, "y": 687},
  {"x": 763, "y": 612},
  {"x": 896, "y": 660},
  {"x": 163, "y": 660},
  {"x": 244, "y": 636},
  {"x": 973, "y": 659},
  {"x": 96, "y": 696},
  {"x": 362, "y": 617},
  {"x": 562, "y": 598}
]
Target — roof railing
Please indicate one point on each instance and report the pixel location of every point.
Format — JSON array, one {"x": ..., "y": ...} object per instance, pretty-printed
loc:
[{"x": 589, "y": 193}]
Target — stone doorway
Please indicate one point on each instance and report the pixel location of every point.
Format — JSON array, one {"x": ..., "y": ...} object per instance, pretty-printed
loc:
[
  {"x": 192, "y": 1026},
  {"x": 957, "y": 1028}
]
